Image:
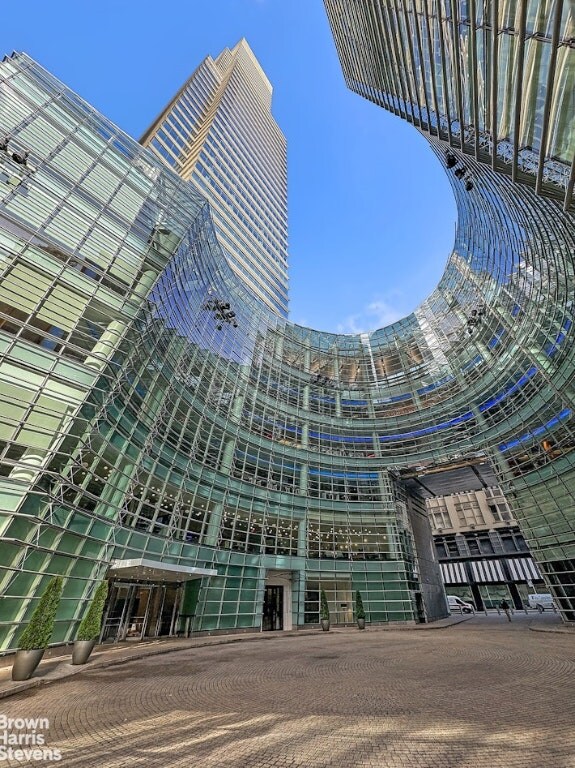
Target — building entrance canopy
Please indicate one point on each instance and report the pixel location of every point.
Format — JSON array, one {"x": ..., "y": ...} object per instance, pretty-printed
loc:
[{"x": 153, "y": 570}]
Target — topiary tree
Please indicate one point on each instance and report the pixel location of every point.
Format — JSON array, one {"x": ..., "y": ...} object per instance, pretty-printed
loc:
[
  {"x": 359, "y": 610},
  {"x": 323, "y": 606},
  {"x": 37, "y": 634},
  {"x": 91, "y": 624}
]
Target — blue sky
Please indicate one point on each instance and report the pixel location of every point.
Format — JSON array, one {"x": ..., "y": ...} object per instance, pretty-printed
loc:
[{"x": 371, "y": 214}]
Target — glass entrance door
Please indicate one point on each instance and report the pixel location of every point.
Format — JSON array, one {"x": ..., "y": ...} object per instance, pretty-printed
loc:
[
  {"x": 138, "y": 613},
  {"x": 135, "y": 611},
  {"x": 273, "y": 611},
  {"x": 118, "y": 601},
  {"x": 163, "y": 611}
]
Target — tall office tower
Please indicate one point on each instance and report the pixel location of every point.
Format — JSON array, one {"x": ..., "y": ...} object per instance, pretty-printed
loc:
[
  {"x": 491, "y": 86},
  {"x": 219, "y": 132}
]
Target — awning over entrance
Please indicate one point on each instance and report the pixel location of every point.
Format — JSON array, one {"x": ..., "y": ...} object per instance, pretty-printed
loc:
[{"x": 154, "y": 570}]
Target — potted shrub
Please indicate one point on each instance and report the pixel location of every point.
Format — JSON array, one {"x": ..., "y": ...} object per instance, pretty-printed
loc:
[
  {"x": 36, "y": 637},
  {"x": 90, "y": 626},
  {"x": 359, "y": 611},
  {"x": 324, "y": 611}
]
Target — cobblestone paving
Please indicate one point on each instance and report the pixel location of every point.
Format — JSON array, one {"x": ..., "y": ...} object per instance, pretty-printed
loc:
[{"x": 465, "y": 697}]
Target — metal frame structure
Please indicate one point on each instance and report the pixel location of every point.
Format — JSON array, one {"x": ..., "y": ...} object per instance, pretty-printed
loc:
[{"x": 137, "y": 424}]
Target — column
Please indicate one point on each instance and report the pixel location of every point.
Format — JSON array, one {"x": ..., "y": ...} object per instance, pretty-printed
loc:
[
  {"x": 303, "y": 478},
  {"x": 227, "y": 460},
  {"x": 213, "y": 532},
  {"x": 105, "y": 346},
  {"x": 107, "y": 343},
  {"x": 32, "y": 459},
  {"x": 302, "y": 538}
]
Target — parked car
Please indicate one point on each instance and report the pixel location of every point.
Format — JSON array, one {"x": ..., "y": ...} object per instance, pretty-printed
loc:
[
  {"x": 543, "y": 602},
  {"x": 457, "y": 604}
]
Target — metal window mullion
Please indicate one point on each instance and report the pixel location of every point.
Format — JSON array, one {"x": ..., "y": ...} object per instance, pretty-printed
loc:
[
  {"x": 402, "y": 68},
  {"x": 457, "y": 65},
  {"x": 444, "y": 72},
  {"x": 494, "y": 79},
  {"x": 432, "y": 68},
  {"x": 378, "y": 63},
  {"x": 347, "y": 38},
  {"x": 473, "y": 77},
  {"x": 398, "y": 79},
  {"x": 569, "y": 189},
  {"x": 422, "y": 61},
  {"x": 414, "y": 69},
  {"x": 549, "y": 92},
  {"x": 406, "y": 69},
  {"x": 351, "y": 41},
  {"x": 519, "y": 88},
  {"x": 387, "y": 68}
]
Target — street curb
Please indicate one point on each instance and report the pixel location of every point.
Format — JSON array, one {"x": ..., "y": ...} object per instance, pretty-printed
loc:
[
  {"x": 454, "y": 623},
  {"x": 554, "y": 630},
  {"x": 26, "y": 686}
]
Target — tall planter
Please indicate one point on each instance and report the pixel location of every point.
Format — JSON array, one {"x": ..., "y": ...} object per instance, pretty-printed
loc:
[
  {"x": 36, "y": 637},
  {"x": 324, "y": 611},
  {"x": 82, "y": 650},
  {"x": 26, "y": 662},
  {"x": 359, "y": 611},
  {"x": 90, "y": 626}
]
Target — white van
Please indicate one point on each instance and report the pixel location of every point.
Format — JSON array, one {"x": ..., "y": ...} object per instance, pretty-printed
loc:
[
  {"x": 457, "y": 604},
  {"x": 543, "y": 602}
]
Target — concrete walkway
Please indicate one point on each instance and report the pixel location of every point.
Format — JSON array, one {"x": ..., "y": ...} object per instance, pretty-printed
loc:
[
  {"x": 474, "y": 692},
  {"x": 57, "y": 665}
]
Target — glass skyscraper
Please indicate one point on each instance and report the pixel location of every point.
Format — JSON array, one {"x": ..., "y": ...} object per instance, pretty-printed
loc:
[
  {"x": 164, "y": 427},
  {"x": 219, "y": 132},
  {"x": 491, "y": 85}
]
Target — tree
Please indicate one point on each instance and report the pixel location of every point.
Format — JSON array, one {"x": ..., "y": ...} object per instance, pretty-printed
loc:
[
  {"x": 324, "y": 607},
  {"x": 359, "y": 610},
  {"x": 37, "y": 634},
  {"x": 91, "y": 624}
]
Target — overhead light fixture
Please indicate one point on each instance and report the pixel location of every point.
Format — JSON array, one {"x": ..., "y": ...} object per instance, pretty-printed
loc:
[{"x": 20, "y": 157}]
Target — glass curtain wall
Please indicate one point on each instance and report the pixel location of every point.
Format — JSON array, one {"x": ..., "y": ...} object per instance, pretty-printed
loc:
[{"x": 154, "y": 408}]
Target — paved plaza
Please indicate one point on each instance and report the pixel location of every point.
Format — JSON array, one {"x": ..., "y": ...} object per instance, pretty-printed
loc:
[{"x": 481, "y": 694}]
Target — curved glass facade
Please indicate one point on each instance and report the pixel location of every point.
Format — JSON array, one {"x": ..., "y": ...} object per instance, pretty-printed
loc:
[
  {"x": 491, "y": 86},
  {"x": 161, "y": 425}
]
